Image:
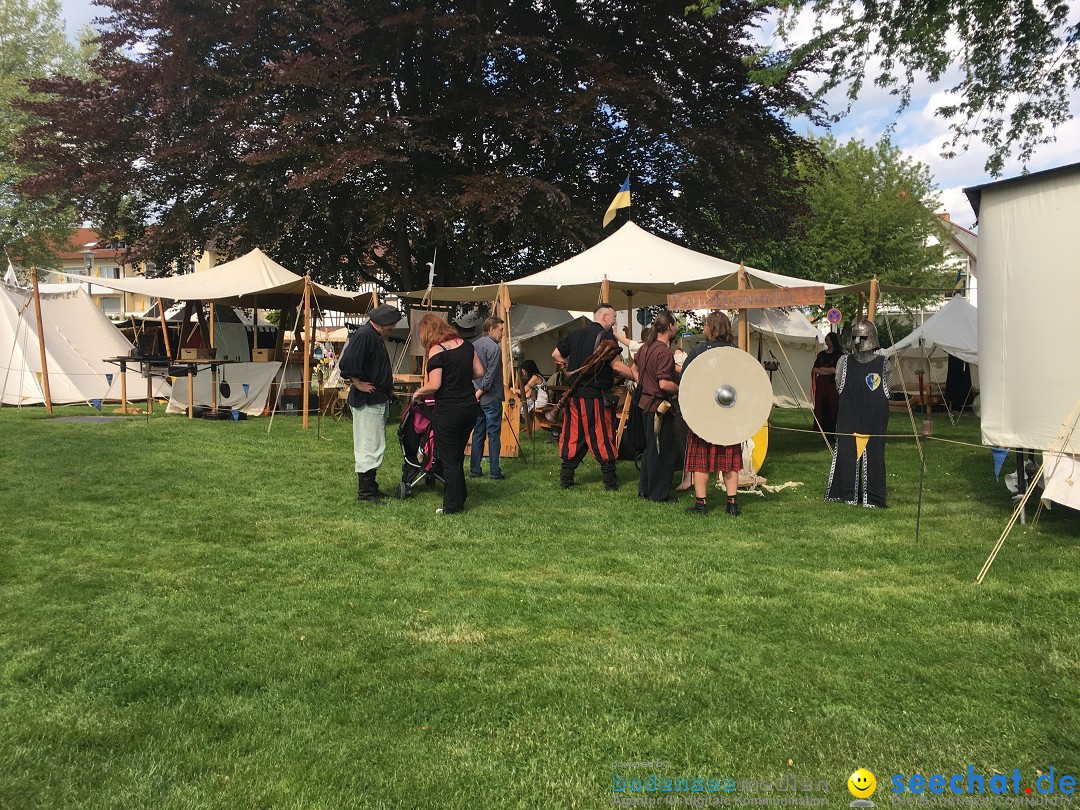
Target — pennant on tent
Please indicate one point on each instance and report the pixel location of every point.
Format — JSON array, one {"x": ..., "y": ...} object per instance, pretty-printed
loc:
[
  {"x": 246, "y": 386},
  {"x": 97, "y": 404},
  {"x": 108, "y": 379},
  {"x": 860, "y": 444},
  {"x": 622, "y": 200},
  {"x": 999, "y": 459},
  {"x": 235, "y": 415}
]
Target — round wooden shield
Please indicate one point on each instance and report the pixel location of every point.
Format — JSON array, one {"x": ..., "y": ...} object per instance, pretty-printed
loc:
[{"x": 725, "y": 396}]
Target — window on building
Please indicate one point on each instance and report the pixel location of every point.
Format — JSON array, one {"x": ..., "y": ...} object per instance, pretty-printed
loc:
[
  {"x": 110, "y": 305},
  {"x": 108, "y": 272}
]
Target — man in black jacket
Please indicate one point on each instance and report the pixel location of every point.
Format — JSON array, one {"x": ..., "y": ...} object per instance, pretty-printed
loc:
[{"x": 366, "y": 364}]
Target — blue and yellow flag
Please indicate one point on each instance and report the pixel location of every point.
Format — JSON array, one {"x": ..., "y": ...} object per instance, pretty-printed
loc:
[
  {"x": 961, "y": 283},
  {"x": 622, "y": 200}
]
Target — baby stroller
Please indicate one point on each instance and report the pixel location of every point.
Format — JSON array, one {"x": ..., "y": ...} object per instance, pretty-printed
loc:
[{"x": 416, "y": 435}]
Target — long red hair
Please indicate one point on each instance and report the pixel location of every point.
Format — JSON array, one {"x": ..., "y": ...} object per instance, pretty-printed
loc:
[{"x": 434, "y": 329}]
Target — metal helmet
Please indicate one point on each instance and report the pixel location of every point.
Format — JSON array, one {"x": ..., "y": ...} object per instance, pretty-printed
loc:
[{"x": 864, "y": 339}]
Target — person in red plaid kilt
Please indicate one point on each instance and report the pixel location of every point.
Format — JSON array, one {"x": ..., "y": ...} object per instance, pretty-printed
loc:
[{"x": 703, "y": 458}]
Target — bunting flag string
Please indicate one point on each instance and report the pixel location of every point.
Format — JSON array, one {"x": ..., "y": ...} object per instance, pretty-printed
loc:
[{"x": 999, "y": 459}]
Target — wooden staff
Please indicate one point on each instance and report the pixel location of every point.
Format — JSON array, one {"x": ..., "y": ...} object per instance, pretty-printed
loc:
[{"x": 41, "y": 341}]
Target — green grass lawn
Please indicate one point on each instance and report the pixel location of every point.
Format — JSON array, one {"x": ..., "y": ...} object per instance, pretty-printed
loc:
[{"x": 199, "y": 614}]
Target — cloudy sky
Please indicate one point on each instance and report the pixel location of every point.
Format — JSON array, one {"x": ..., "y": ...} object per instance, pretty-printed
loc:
[{"x": 918, "y": 131}]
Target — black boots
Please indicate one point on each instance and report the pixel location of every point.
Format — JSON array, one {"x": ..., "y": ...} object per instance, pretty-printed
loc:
[
  {"x": 733, "y": 506},
  {"x": 367, "y": 489}
]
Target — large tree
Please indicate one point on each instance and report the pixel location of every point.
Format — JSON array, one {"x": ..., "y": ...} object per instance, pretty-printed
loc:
[
  {"x": 1018, "y": 60},
  {"x": 354, "y": 138},
  {"x": 869, "y": 212},
  {"x": 32, "y": 46}
]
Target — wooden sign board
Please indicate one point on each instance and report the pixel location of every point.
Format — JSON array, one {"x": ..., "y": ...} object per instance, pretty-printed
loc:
[{"x": 749, "y": 299}]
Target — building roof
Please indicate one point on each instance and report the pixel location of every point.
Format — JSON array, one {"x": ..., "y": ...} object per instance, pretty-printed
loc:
[
  {"x": 85, "y": 239},
  {"x": 974, "y": 193}
]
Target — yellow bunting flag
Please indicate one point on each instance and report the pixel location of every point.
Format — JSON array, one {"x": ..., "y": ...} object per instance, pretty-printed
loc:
[{"x": 860, "y": 444}]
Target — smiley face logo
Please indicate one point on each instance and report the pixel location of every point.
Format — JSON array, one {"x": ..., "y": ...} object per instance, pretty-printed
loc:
[{"x": 862, "y": 784}]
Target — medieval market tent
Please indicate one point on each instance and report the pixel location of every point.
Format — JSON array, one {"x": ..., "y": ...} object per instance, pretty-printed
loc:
[
  {"x": 641, "y": 270},
  {"x": 253, "y": 278},
  {"x": 952, "y": 331},
  {"x": 1029, "y": 286},
  {"x": 78, "y": 338}
]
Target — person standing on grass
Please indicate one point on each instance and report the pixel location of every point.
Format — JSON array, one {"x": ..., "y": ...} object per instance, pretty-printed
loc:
[
  {"x": 489, "y": 393},
  {"x": 703, "y": 458},
  {"x": 656, "y": 371},
  {"x": 366, "y": 364},
  {"x": 452, "y": 365},
  {"x": 826, "y": 397},
  {"x": 588, "y": 421}
]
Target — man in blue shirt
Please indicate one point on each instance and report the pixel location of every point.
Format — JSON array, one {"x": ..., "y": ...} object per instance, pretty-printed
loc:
[{"x": 489, "y": 393}]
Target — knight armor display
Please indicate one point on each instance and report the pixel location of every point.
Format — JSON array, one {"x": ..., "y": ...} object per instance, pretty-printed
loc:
[{"x": 864, "y": 340}]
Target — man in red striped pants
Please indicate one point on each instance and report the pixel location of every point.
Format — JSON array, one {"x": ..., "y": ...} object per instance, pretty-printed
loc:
[{"x": 588, "y": 423}]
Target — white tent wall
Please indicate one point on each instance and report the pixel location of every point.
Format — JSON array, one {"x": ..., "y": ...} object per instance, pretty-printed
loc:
[
  {"x": 78, "y": 338},
  {"x": 788, "y": 337},
  {"x": 257, "y": 377},
  {"x": 953, "y": 329},
  {"x": 1029, "y": 300},
  {"x": 534, "y": 331}
]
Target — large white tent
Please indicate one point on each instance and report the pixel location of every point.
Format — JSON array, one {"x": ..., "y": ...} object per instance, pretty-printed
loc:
[
  {"x": 952, "y": 330},
  {"x": 1029, "y": 287},
  {"x": 78, "y": 338},
  {"x": 253, "y": 277},
  {"x": 639, "y": 268}
]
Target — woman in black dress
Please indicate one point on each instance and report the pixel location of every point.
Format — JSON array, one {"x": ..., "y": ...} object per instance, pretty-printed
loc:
[
  {"x": 825, "y": 395},
  {"x": 452, "y": 365}
]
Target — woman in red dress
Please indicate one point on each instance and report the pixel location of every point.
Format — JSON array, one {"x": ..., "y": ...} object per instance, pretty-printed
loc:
[{"x": 825, "y": 396}]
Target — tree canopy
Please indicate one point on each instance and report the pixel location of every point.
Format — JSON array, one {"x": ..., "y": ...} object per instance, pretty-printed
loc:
[
  {"x": 869, "y": 213},
  {"x": 32, "y": 45},
  {"x": 1018, "y": 60},
  {"x": 353, "y": 138}
]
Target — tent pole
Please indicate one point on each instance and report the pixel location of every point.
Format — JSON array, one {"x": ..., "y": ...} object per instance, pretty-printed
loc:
[
  {"x": 254, "y": 327},
  {"x": 630, "y": 316},
  {"x": 165, "y": 328},
  {"x": 744, "y": 321},
  {"x": 871, "y": 307},
  {"x": 41, "y": 341},
  {"x": 307, "y": 345},
  {"x": 605, "y": 291}
]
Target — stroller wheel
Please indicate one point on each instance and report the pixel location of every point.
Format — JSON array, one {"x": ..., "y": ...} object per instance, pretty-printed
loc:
[
  {"x": 403, "y": 491},
  {"x": 429, "y": 480}
]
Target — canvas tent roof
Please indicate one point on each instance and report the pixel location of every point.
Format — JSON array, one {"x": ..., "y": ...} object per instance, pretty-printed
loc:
[
  {"x": 635, "y": 263},
  {"x": 78, "y": 338},
  {"x": 952, "y": 329},
  {"x": 239, "y": 282}
]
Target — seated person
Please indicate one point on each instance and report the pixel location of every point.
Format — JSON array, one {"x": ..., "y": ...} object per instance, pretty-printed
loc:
[{"x": 533, "y": 386}]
